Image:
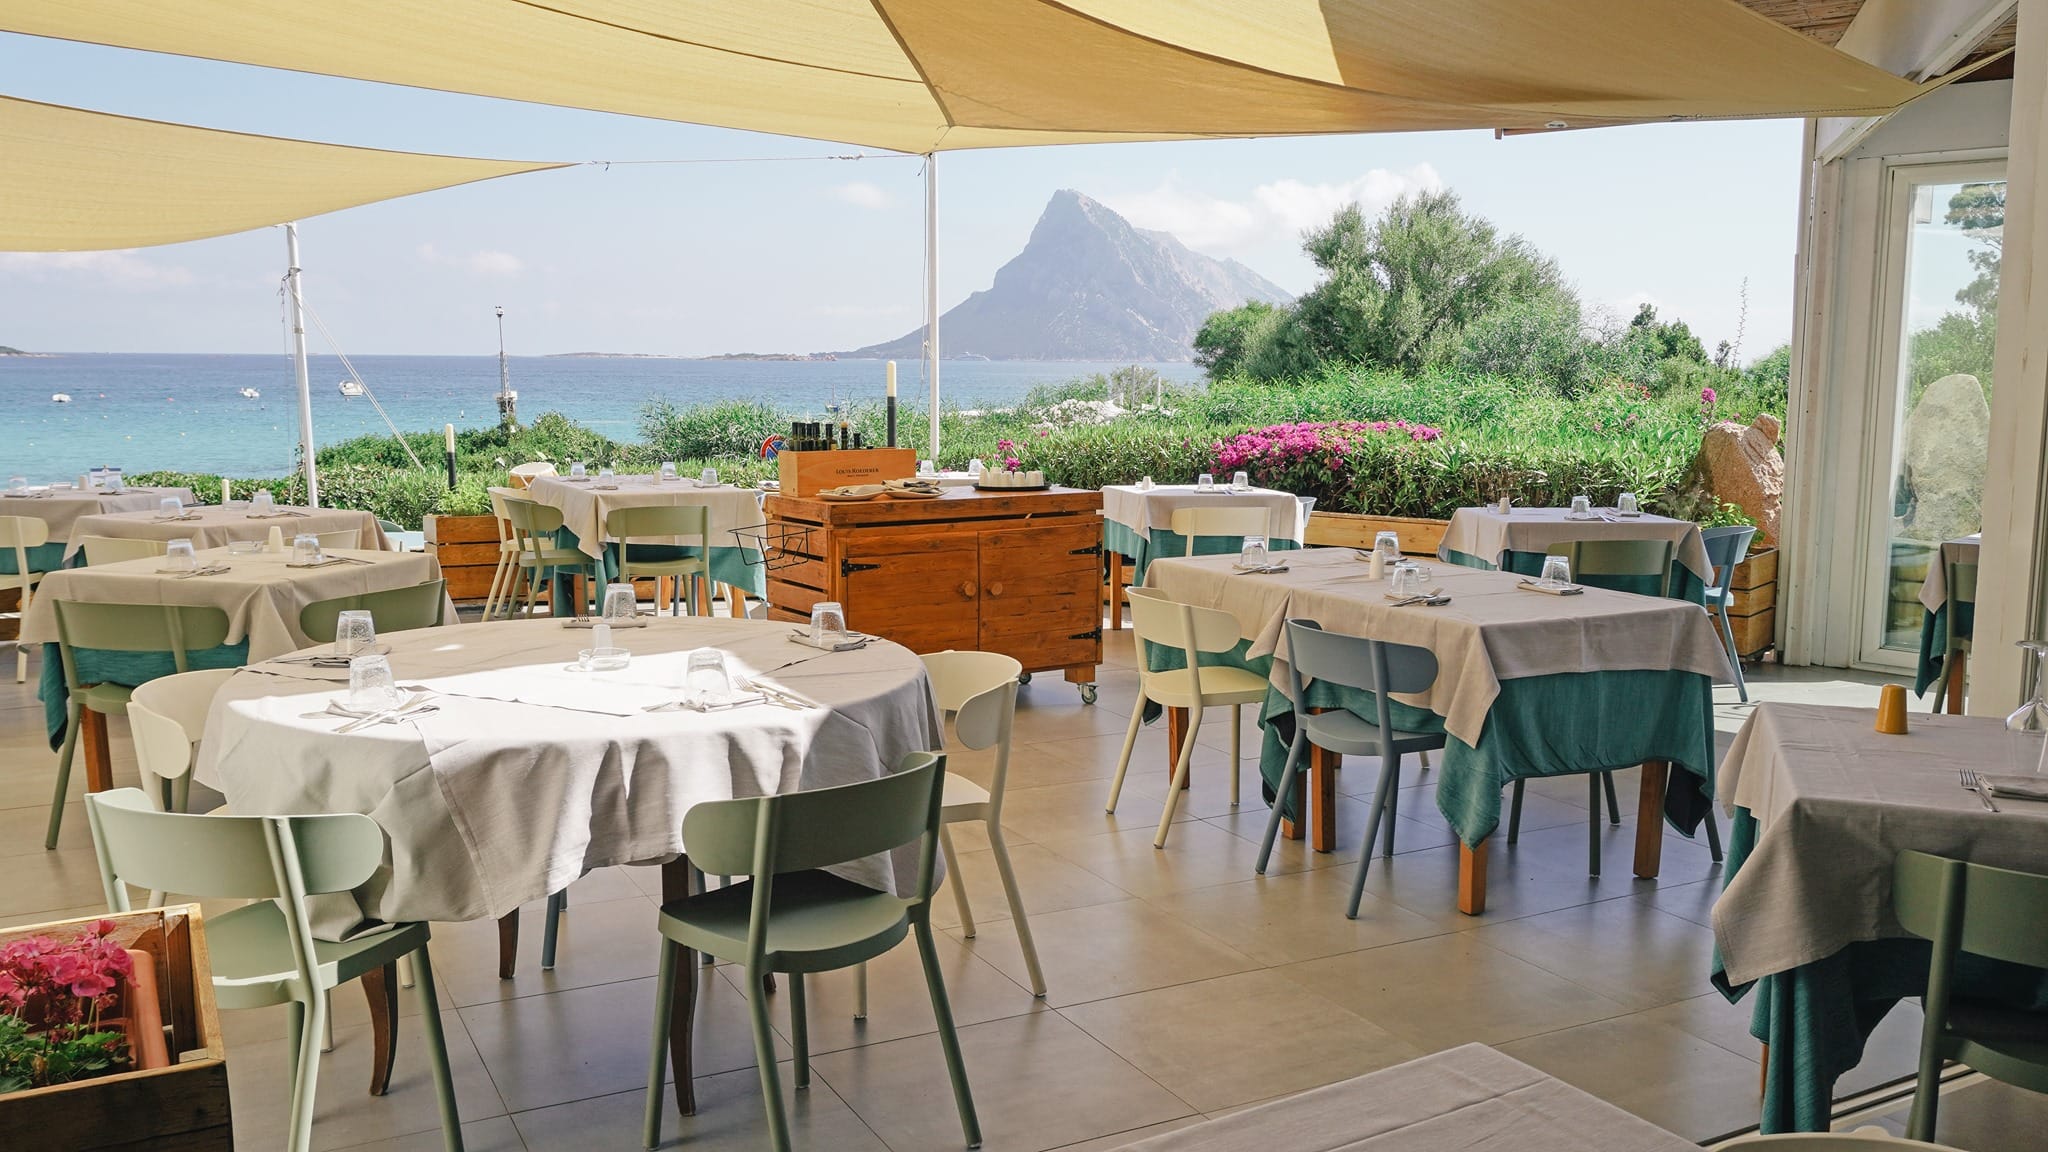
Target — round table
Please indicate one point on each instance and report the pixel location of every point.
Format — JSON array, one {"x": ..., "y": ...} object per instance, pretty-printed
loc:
[{"x": 530, "y": 773}]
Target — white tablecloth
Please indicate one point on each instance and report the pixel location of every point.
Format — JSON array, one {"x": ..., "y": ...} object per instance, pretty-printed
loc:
[
  {"x": 260, "y": 594},
  {"x": 1836, "y": 802},
  {"x": 1490, "y": 631},
  {"x": 584, "y": 505},
  {"x": 218, "y": 525},
  {"x": 62, "y": 508},
  {"x": 491, "y": 802},
  {"x": 1963, "y": 550},
  {"x": 1142, "y": 511},
  {"x": 1488, "y": 535}
]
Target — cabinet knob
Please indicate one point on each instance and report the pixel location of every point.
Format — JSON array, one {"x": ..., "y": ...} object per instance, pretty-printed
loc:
[
  {"x": 996, "y": 589},
  {"x": 967, "y": 589}
]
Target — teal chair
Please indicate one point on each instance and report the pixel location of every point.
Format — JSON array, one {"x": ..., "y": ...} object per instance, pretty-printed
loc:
[
  {"x": 1985, "y": 911},
  {"x": 156, "y": 628},
  {"x": 264, "y": 953},
  {"x": 1725, "y": 549},
  {"x": 791, "y": 916},
  {"x": 1374, "y": 666},
  {"x": 1959, "y": 588},
  {"x": 392, "y": 610}
]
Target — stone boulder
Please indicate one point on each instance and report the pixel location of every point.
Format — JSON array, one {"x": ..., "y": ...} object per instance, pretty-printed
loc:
[
  {"x": 1740, "y": 465},
  {"x": 1940, "y": 488}
]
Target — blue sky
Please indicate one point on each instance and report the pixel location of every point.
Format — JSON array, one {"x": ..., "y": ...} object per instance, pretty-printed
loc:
[{"x": 702, "y": 258}]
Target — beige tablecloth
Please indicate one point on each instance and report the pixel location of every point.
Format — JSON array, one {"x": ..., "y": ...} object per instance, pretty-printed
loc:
[
  {"x": 1934, "y": 592},
  {"x": 261, "y": 595},
  {"x": 1467, "y": 1099},
  {"x": 1488, "y": 535},
  {"x": 1490, "y": 631},
  {"x": 218, "y": 525},
  {"x": 1143, "y": 511},
  {"x": 584, "y": 505},
  {"x": 490, "y": 802},
  {"x": 1836, "y": 802},
  {"x": 63, "y": 508}
]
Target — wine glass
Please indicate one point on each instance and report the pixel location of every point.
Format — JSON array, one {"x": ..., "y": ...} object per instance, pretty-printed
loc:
[
  {"x": 1557, "y": 572},
  {"x": 1253, "y": 554},
  {"x": 354, "y": 631},
  {"x": 179, "y": 556},
  {"x": 828, "y": 624},
  {"x": 370, "y": 685},
  {"x": 621, "y": 602},
  {"x": 2029, "y": 722}
]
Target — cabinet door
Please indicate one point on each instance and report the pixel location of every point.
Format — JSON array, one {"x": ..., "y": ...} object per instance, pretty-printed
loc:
[
  {"x": 1041, "y": 592},
  {"x": 918, "y": 587}
]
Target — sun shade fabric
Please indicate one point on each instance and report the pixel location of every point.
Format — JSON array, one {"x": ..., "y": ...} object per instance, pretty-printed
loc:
[
  {"x": 74, "y": 180},
  {"x": 926, "y": 75}
]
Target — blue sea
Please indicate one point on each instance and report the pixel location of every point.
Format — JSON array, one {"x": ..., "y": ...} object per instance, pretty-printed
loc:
[{"x": 141, "y": 411}]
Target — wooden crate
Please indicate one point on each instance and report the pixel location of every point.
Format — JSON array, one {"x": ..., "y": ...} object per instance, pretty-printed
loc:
[
  {"x": 180, "y": 1108},
  {"x": 1752, "y": 612},
  {"x": 1419, "y": 537},
  {"x": 809, "y": 473},
  {"x": 466, "y": 547}
]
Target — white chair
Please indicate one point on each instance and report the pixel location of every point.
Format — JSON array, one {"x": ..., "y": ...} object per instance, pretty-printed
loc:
[
  {"x": 113, "y": 550},
  {"x": 1238, "y": 521},
  {"x": 340, "y": 539},
  {"x": 22, "y": 533},
  {"x": 500, "y": 596},
  {"x": 264, "y": 953},
  {"x": 1870, "y": 1139},
  {"x": 522, "y": 475},
  {"x": 1192, "y": 631},
  {"x": 166, "y": 717}
]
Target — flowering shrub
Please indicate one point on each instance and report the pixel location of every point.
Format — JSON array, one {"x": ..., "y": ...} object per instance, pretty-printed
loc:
[
  {"x": 1288, "y": 445},
  {"x": 62, "y": 990}
]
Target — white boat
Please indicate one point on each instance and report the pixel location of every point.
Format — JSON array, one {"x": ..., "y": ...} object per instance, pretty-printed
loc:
[
  {"x": 350, "y": 389},
  {"x": 60, "y": 398},
  {"x": 251, "y": 394}
]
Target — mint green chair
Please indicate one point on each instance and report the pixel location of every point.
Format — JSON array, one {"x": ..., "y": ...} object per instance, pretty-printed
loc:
[
  {"x": 663, "y": 523},
  {"x": 264, "y": 953},
  {"x": 1871, "y": 1139},
  {"x": 393, "y": 610},
  {"x": 172, "y": 628},
  {"x": 1985, "y": 911},
  {"x": 18, "y": 534},
  {"x": 791, "y": 916},
  {"x": 537, "y": 556}
]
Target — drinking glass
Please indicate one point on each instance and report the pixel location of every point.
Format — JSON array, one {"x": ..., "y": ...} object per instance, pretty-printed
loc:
[
  {"x": 262, "y": 501},
  {"x": 112, "y": 482},
  {"x": 1253, "y": 554},
  {"x": 925, "y": 468},
  {"x": 668, "y": 469},
  {"x": 1557, "y": 571},
  {"x": 1582, "y": 506},
  {"x": 975, "y": 467},
  {"x": 604, "y": 471},
  {"x": 354, "y": 631},
  {"x": 170, "y": 506},
  {"x": 709, "y": 479},
  {"x": 707, "y": 680},
  {"x": 2029, "y": 723},
  {"x": 1388, "y": 545},
  {"x": 1144, "y": 484},
  {"x": 1239, "y": 481},
  {"x": 305, "y": 548},
  {"x": 1406, "y": 580},
  {"x": 1205, "y": 482},
  {"x": 179, "y": 556},
  {"x": 620, "y": 602},
  {"x": 17, "y": 483},
  {"x": 370, "y": 686},
  {"x": 828, "y": 623},
  {"x": 578, "y": 470},
  {"x": 1626, "y": 504}
]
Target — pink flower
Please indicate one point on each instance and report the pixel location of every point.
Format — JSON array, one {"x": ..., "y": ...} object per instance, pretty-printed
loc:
[
  {"x": 1044, "y": 432},
  {"x": 1006, "y": 446},
  {"x": 1708, "y": 396},
  {"x": 1011, "y": 462}
]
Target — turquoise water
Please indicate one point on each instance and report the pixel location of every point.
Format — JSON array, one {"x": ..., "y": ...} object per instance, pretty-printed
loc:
[{"x": 141, "y": 412}]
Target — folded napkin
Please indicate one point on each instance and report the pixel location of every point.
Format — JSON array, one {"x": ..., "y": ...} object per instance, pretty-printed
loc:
[
  {"x": 182, "y": 516},
  {"x": 26, "y": 495},
  {"x": 591, "y": 621},
  {"x": 278, "y": 515},
  {"x": 1550, "y": 589},
  {"x": 856, "y": 491},
  {"x": 853, "y": 640},
  {"x": 2017, "y": 787},
  {"x": 1274, "y": 569},
  {"x": 326, "y": 562},
  {"x": 202, "y": 570}
]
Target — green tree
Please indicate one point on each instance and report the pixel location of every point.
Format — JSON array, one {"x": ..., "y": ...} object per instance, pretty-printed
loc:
[
  {"x": 1666, "y": 341},
  {"x": 1225, "y": 341},
  {"x": 1541, "y": 339}
]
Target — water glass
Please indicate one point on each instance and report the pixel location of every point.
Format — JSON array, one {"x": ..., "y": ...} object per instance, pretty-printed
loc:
[
  {"x": 179, "y": 556},
  {"x": 925, "y": 468},
  {"x": 620, "y": 602},
  {"x": 1145, "y": 484},
  {"x": 578, "y": 471},
  {"x": 370, "y": 686},
  {"x": 305, "y": 548},
  {"x": 604, "y": 471},
  {"x": 1405, "y": 580},
  {"x": 1240, "y": 481},
  {"x": 709, "y": 479},
  {"x": 668, "y": 469},
  {"x": 17, "y": 483},
  {"x": 354, "y": 631},
  {"x": 1557, "y": 571},
  {"x": 1582, "y": 506},
  {"x": 1205, "y": 482},
  {"x": 262, "y": 501},
  {"x": 1253, "y": 554},
  {"x": 706, "y": 680},
  {"x": 170, "y": 506},
  {"x": 1626, "y": 504},
  {"x": 1388, "y": 545},
  {"x": 828, "y": 623},
  {"x": 975, "y": 467}
]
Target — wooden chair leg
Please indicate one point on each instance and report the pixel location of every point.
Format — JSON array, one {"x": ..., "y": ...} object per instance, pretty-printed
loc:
[
  {"x": 99, "y": 758},
  {"x": 681, "y": 1015},
  {"x": 1472, "y": 878},
  {"x": 1650, "y": 819},
  {"x": 1116, "y": 591},
  {"x": 508, "y": 944},
  {"x": 1958, "y": 676},
  {"x": 380, "y": 987}
]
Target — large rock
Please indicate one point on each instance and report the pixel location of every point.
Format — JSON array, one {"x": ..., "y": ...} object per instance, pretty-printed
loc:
[
  {"x": 1940, "y": 492},
  {"x": 1740, "y": 465}
]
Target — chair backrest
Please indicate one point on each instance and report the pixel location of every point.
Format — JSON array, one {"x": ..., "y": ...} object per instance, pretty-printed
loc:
[
  {"x": 175, "y": 628},
  {"x": 23, "y": 532},
  {"x": 522, "y": 475},
  {"x": 1380, "y": 667},
  {"x": 392, "y": 610},
  {"x": 167, "y": 716},
  {"x": 981, "y": 689},
  {"x": 1862, "y": 1140},
  {"x": 1158, "y": 620},
  {"x": 1603, "y": 562},
  {"x": 661, "y": 522},
  {"x": 340, "y": 538},
  {"x": 1220, "y": 521},
  {"x": 1726, "y": 547},
  {"x": 1961, "y": 587},
  {"x": 113, "y": 550},
  {"x": 529, "y": 518},
  {"x": 1994, "y": 912}
]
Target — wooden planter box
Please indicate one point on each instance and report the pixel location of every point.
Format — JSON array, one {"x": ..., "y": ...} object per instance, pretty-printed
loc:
[
  {"x": 1419, "y": 537},
  {"x": 1754, "y": 611},
  {"x": 466, "y": 547},
  {"x": 181, "y": 1108}
]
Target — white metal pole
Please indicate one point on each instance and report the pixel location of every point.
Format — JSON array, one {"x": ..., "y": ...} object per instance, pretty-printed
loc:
[
  {"x": 931, "y": 288},
  {"x": 298, "y": 316}
]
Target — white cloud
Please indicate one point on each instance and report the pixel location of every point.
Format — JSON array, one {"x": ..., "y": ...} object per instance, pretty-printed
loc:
[
  {"x": 1281, "y": 209},
  {"x": 861, "y": 194},
  {"x": 123, "y": 268},
  {"x": 483, "y": 262}
]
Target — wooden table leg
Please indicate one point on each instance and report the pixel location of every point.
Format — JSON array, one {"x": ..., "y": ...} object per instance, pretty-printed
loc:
[
  {"x": 1650, "y": 819},
  {"x": 736, "y": 601},
  {"x": 1176, "y": 735},
  {"x": 1116, "y": 590},
  {"x": 508, "y": 944},
  {"x": 99, "y": 759},
  {"x": 380, "y": 985},
  {"x": 1472, "y": 878},
  {"x": 1956, "y": 677},
  {"x": 703, "y": 595},
  {"x": 1322, "y": 774},
  {"x": 675, "y": 884}
]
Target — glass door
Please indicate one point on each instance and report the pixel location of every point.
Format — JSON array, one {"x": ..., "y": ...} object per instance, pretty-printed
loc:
[{"x": 1934, "y": 393}]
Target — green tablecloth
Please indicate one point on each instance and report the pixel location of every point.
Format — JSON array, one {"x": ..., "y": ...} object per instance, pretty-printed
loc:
[
  {"x": 739, "y": 567},
  {"x": 1538, "y": 726},
  {"x": 1685, "y": 584},
  {"x": 41, "y": 558},
  {"x": 1817, "y": 1017},
  {"x": 1934, "y": 642},
  {"x": 133, "y": 669},
  {"x": 1166, "y": 542}
]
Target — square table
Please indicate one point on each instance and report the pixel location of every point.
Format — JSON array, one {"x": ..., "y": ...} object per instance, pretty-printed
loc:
[
  {"x": 1822, "y": 806},
  {"x": 1527, "y": 685},
  {"x": 61, "y": 508},
  {"x": 585, "y": 503},
  {"x": 1518, "y": 540},
  {"x": 1138, "y": 523},
  {"x": 218, "y": 525},
  {"x": 1935, "y": 625}
]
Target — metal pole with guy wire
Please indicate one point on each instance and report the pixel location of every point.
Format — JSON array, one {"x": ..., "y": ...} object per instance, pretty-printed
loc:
[{"x": 297, "y": 305}]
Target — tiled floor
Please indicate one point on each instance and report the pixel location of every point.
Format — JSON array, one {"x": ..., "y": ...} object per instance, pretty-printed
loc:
[{"x": 1180, "y": 985}]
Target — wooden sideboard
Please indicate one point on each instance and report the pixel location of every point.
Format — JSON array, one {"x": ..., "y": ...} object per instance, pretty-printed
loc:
[{"x": 1012, "y": 572}]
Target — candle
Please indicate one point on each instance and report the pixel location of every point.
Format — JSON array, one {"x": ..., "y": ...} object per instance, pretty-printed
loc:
[
  {"x": 451, "y": 439},
  {"x": 890, "y": 369},
  {"x": 223, "y": 489}
]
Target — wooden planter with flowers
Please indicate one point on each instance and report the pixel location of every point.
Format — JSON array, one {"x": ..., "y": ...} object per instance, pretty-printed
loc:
[{"x": 109, "y": 1038}]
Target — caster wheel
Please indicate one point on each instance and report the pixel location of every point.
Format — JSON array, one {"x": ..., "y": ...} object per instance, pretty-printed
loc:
[
  {"x": 1023, "y": 677},
  {"x": 1087, "y": 693}
]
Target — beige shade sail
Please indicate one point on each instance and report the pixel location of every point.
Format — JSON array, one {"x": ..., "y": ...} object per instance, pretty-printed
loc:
[
  {"x": 926, "y": 75},
  {"x": 74, "y": 180}
]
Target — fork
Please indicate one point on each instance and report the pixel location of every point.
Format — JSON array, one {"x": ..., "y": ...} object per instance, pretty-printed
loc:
[{"x": 1975, "y": 783}]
